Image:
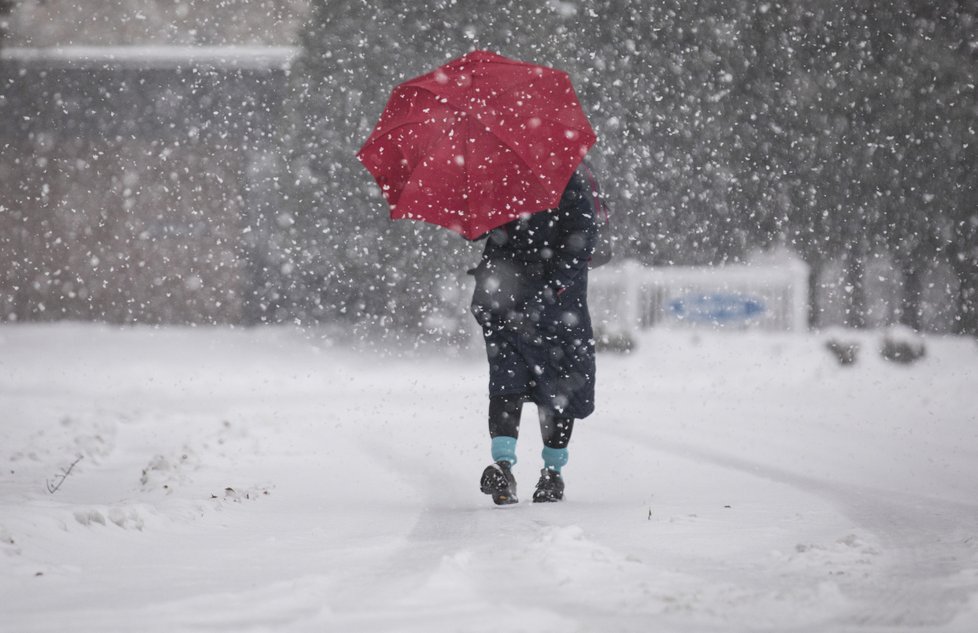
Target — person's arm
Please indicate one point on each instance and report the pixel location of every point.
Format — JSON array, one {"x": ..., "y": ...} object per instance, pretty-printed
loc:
[{"x": 578, "y": 231}]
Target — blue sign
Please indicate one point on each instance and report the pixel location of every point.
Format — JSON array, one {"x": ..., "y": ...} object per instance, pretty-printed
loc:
[{"x": 716, "y": 308}]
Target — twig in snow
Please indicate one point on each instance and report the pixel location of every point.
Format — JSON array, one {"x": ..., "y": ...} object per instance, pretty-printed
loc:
[{"x": 60, "y": 478}]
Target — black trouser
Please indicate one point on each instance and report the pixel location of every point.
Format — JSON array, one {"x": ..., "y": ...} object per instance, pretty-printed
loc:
[{"x": 504, "y": 419}]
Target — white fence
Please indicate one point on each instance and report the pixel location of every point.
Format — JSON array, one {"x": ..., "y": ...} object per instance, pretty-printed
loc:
[{"x": 771, "y": 294}]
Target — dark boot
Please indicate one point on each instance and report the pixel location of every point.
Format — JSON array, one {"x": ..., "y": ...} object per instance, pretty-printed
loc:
[
  {"x": 498, "y": 481},
  {"x": 550, "y": 487}
]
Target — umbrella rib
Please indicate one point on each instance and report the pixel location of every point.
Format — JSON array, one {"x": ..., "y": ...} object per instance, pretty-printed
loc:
[
  {"x": 423, "y": 121},
  {"x": 441, "y": 98},
  {"x": 530, "y": 80},
  {"x": 569, "y": 127},
  {"x": 375, "y": 137},
  {"x": 547, "y": 118},
  {"x": 518, "y": 156}
]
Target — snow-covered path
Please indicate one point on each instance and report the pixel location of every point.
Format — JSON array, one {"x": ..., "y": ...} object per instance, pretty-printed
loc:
[{"x": 259, "y": 480}]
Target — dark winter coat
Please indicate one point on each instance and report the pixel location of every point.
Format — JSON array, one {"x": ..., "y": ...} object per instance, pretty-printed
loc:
[{"x": 531, "y": 301}]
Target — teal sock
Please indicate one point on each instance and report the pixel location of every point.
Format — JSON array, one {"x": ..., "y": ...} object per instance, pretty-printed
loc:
[
  {"x": 504, "y": 449},
  {"x": 554, "y": 458}
]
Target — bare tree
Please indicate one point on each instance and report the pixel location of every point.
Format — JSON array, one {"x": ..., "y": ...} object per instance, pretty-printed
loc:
[{"x": 5, "y": 7}]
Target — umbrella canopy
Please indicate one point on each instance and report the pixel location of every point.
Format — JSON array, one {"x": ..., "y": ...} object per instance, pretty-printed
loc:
[{"x": 477, "y": 143}]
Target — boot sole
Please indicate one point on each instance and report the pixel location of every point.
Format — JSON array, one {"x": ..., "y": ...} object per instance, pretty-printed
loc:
[{"x": 547, "y": 498}]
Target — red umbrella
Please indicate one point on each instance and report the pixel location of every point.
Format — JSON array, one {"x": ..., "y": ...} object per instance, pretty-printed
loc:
[{"x": 478, "y": 142}]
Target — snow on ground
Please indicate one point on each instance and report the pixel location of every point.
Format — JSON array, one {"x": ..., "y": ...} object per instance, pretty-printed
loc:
[{"x": 265, "y": 480}]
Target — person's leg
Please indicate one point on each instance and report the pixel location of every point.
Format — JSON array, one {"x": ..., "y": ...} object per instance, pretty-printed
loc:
[
  {"x": 556, "y": 432},
  {"x": 504, "y": 426}
]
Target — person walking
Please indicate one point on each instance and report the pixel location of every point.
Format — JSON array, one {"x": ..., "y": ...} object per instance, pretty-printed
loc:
[
  {"x": 489, "y": 146},
  {"x": 531, "y": 301}
]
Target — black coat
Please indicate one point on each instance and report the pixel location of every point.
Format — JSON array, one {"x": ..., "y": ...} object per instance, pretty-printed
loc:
[{"x": 531, "y": 301}]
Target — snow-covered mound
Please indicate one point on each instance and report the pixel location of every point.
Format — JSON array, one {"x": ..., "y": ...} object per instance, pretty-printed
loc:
[{"x": 264, "y": 480}]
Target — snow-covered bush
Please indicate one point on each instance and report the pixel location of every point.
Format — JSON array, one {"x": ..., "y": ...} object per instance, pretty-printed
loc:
[
  {"x": 902, "y": 345},
  {"x": 620, "y": 342},
  {"x": 846, "y": 352}
]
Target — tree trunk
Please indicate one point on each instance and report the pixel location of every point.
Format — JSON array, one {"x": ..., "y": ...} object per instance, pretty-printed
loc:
[
  {"x": 966, "y": 321},
  {"x": 965, "y": 264},
  {"x": 814, "y": 309},
  {"x": 5, "y": 8},
  {"x": 855, "y": 289},
  {"x": 913, "y": 286}
]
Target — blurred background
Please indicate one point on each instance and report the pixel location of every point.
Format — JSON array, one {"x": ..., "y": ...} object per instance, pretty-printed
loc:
[{"x": 192, "y": 161}]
